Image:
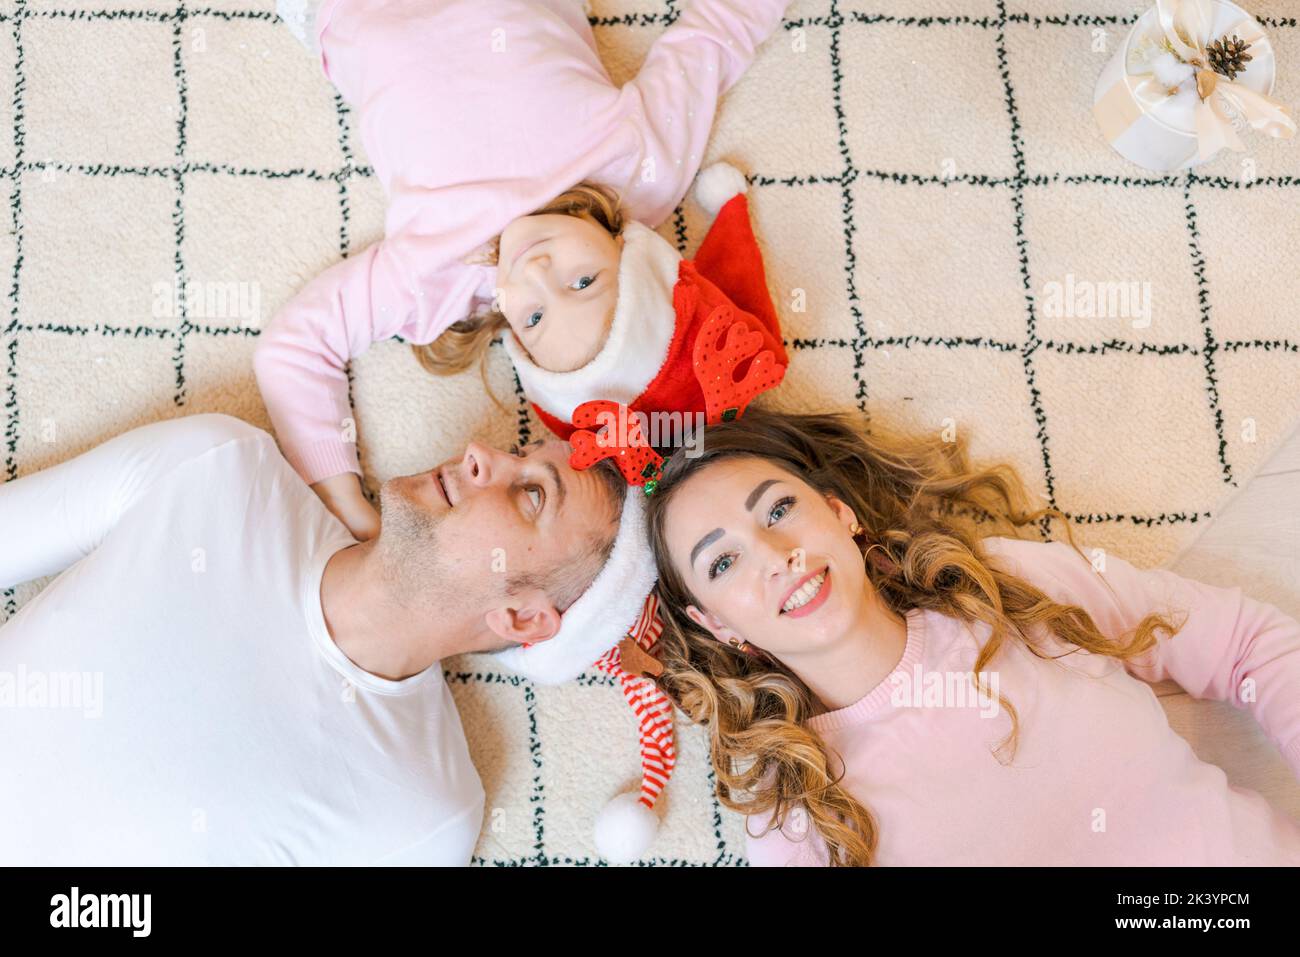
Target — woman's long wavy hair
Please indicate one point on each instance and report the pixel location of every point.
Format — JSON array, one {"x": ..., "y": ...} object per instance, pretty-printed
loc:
[
  {"x": 927, "y": 507},
  {"x": 467, "y": 341}
]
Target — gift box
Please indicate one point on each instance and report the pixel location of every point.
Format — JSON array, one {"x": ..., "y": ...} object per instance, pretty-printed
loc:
[{"x": 1188, "y": 77}]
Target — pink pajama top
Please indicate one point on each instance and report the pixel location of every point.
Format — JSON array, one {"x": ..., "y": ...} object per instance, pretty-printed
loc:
[
  {"x": 474, "y": 113},
  {"x": 1100, "y": 778}
]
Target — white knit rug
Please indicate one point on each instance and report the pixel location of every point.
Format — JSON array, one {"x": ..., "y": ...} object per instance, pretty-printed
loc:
[{"x": 922, "y": 169}]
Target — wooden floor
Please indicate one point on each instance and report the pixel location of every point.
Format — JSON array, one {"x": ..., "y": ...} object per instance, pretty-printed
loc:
[{"x": 1254, "y": 542}]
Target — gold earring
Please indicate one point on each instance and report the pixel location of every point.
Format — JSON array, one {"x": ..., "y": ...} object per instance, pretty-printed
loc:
[
  {"x": 734, "y": 642},
  {"x": 890, "y": 564},
  {"x": 857, "y": 529}
]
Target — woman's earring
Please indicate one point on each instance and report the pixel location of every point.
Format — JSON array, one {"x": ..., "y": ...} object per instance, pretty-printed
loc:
[
  {"x": 734, "y": 642},
  {"x": 886, "y": 565},
  {"x": 857, "y": 529}
]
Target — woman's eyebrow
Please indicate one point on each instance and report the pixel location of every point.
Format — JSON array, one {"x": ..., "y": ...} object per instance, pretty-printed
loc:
[
  {"x": 759, "y": 489},
  {"x": 717, "y": 533},
  {"x": 704, "y": 543}
]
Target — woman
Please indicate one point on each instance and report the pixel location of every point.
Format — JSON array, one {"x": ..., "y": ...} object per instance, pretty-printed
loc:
[{"x": 829, "y": 597}]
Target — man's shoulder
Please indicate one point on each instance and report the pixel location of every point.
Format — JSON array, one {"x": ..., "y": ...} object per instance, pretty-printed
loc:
[
  {"x": 194, "y": 435},
  {"x": 239, "y": 445},
  {"x": 172, "y": 447},
  {"x": 220, "y": 427}
]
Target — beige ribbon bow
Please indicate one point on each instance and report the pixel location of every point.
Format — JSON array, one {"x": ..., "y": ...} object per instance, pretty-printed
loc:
[{"x": 1187, "y": 26}]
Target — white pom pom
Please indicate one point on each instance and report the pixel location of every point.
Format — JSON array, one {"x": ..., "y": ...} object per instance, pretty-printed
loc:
[
  {"x": 625, "y": 828},
  {"x": 717, "y": 184},
  {"x": 1169, "y": 71},
  {"x": 1179, "y": 110}
]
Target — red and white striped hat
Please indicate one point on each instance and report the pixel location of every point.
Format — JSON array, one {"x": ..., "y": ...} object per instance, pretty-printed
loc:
[{"x": 628, "y": 824}]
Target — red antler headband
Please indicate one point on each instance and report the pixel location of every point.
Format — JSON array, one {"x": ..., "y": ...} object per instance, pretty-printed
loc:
[
  {"x": 617, "y": 436},
  {"x": 725, "y": 398},
  {"x": 606, "y": 429}
]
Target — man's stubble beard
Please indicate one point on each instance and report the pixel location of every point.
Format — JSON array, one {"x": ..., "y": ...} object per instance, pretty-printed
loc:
[{"x": 411, "y": 553}]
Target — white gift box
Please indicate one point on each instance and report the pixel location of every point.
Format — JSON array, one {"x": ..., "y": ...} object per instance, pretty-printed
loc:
[{"x": 1138, "y": 117}]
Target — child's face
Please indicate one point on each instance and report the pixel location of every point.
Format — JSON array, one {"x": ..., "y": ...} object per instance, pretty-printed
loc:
[{"x": 557, "y": 282}]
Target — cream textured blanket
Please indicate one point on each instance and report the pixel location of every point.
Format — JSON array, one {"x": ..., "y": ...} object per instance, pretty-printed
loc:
[{"x": 931, "y": 194}]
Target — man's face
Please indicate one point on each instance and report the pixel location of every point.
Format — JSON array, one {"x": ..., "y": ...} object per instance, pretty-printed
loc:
[{"x": 451, "y": 537}]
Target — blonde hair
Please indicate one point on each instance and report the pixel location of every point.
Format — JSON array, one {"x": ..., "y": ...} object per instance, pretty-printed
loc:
[
  {"x": 467, "y": 341},
  {"x": 921, "y": 501}
]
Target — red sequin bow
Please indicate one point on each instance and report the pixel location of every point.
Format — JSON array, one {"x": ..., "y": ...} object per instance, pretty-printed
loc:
[{"x": 604, "y": 429}]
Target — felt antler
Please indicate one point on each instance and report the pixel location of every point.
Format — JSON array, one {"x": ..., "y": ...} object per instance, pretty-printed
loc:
[
  {"x": 723, "y": 344},
  {"x": 618, "y": 436}
]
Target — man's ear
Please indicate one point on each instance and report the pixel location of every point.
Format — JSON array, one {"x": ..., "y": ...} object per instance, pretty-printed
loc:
[
  {"x": 526, "y": 618},
  {"x": 710, "y": 622}
]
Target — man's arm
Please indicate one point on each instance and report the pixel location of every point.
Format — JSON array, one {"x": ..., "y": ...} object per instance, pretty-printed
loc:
[
  {"x": 451, "y": 845},
  {"x": 53, "y": 518}
]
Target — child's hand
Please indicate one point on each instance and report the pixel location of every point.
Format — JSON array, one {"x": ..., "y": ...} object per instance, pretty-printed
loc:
[{"x": 342, "y": 495}]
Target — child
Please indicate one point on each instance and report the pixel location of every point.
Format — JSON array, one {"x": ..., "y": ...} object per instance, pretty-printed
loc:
[{"x": 523, "y": 186}]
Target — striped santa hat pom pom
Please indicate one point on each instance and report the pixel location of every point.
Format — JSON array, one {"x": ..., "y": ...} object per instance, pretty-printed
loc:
[
  {"x": 627, "y": 825},
  {"x": 625, "y": 829}
]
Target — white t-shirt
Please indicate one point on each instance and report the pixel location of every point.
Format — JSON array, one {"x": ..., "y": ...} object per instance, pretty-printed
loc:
[{"x": 227, "y": 727}]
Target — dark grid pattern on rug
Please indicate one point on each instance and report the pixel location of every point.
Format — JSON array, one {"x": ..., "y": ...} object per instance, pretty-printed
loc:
[{"x": 857, "y": 344}]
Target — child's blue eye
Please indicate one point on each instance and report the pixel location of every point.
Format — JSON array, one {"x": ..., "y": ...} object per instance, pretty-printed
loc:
[
  {"x": 533, "y": 320},
  {"x": 584, "y": 282}
]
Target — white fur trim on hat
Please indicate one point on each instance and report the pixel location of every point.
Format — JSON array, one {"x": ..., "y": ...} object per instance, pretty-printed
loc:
[
  {"x": 639, "y": 335},
  {"x": 602, "y": 616},
  {"x": 717, "y": 184}
]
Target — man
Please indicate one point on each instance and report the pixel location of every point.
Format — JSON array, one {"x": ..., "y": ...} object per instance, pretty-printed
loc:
[{"x": 225, "y": 676}]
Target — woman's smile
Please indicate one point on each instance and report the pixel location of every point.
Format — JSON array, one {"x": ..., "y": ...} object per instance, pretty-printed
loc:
[{"x": 809, "y": 595}]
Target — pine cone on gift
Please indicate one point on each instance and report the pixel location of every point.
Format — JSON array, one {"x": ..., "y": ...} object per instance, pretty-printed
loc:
[{"x": 1228, "y": 56}]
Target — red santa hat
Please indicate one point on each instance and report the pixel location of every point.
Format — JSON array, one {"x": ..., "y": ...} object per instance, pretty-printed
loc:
[
  {"x": 645, "y": 362},
  {"x": 719, "y": 351}
]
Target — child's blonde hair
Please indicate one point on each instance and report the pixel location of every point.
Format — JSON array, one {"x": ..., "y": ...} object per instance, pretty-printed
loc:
[{"x": 467, "y": 341}]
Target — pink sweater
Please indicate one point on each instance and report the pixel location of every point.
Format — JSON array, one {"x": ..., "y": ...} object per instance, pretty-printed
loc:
[
  {"x": 1099, "y": 778},
  {"x": 473, "y": 113}
]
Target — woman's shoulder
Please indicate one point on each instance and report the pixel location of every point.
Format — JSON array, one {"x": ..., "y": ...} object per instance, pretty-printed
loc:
[
  {"x": 1023, "y": 556},
  {"x": 795, "y": 843}
]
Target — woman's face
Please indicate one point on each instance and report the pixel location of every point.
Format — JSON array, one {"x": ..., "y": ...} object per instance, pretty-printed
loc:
[
  {"x": 769, "y": 558},
  {"x": 557, "y": 285}
]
